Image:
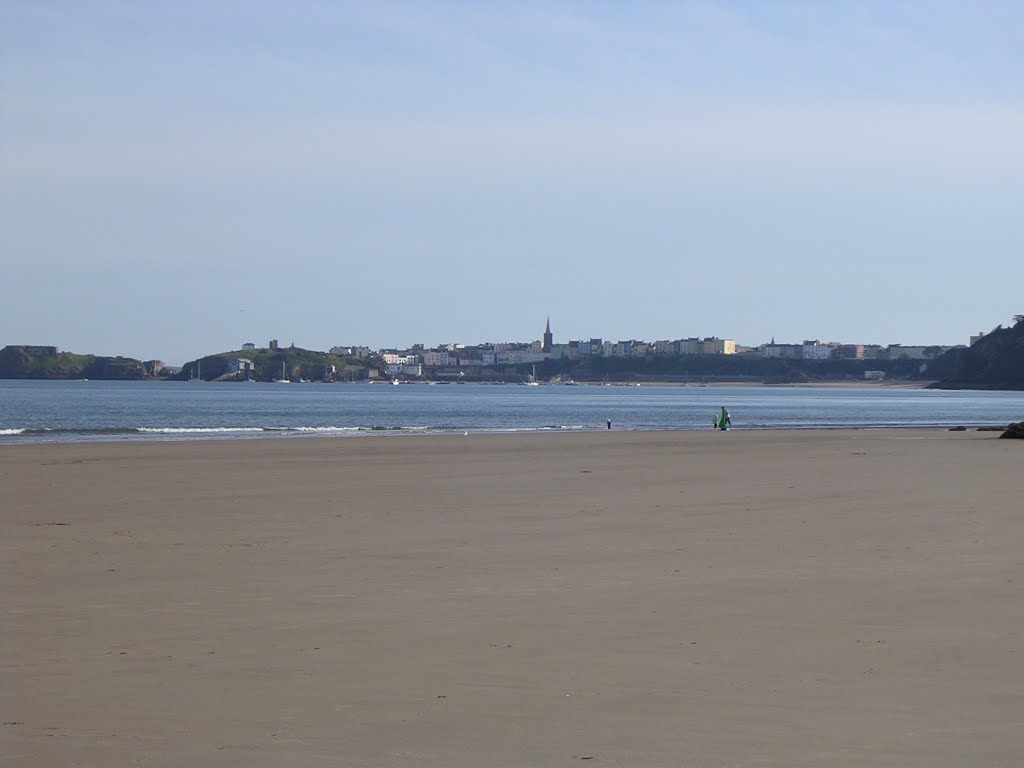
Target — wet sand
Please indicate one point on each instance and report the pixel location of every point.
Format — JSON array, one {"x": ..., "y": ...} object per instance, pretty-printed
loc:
[{"x": 615, "y": 599}]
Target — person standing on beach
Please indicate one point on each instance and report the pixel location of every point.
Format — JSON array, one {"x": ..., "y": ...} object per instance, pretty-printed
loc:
[
  {"x": 724, "y": 419},
  {"x": 609, "y": 423}
]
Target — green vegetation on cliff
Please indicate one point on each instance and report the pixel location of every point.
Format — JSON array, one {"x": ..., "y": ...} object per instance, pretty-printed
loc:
[
  {"x": 298, "y": 364},
  {"x": 995, "y": 361},
  {"x": 27, "y": 362}
]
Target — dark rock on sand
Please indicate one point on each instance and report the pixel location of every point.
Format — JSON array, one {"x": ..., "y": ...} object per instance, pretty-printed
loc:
[{"x": 1014, "y": 431}]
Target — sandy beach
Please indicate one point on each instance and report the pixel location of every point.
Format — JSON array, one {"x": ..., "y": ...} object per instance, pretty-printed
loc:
[{"x": 843, "y": 598}]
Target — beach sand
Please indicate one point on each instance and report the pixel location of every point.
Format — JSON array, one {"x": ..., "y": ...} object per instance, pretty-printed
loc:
[{"x": 608, "y": 599}]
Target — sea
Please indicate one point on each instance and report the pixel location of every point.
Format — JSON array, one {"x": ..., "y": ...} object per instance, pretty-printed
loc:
[{"x": 106, "y": 411}]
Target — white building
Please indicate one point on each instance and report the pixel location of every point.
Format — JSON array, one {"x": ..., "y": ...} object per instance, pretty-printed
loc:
[
  {"x": 404, "y": 369},
  {"x": 393, "y": 358},
  {"x": 815, "y": 350}
]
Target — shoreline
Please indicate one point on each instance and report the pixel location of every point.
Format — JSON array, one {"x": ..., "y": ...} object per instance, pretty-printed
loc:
[{"x": 248, "y": 434}]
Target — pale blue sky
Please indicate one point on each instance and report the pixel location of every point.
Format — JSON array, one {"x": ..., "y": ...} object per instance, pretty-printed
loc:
[{"x": 177, "y": 178}]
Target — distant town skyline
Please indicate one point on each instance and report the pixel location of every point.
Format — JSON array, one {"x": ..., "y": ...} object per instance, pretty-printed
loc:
[
  {"x": 545, "y": 342},
  {"x": 178, "y": 178}
]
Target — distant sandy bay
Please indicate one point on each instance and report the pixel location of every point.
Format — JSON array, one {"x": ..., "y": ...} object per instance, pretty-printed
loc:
[{"x": 811, "y": 598}]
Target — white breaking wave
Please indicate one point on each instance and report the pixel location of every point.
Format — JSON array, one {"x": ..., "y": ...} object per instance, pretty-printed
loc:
[
  {"x": 192, "y": 430},
  {"x": 11, "y": 431},
  {"x": 345, "y": 429},
  {"x": 217, "y": 430},
  {"x": 316, "y": 429}
]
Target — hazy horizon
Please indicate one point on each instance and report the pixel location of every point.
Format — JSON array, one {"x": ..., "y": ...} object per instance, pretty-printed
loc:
[{"x": 176, "y": 180}]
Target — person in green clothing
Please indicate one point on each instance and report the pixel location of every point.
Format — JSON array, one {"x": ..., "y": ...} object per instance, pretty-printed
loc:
[{"x": 723, "y": 420}]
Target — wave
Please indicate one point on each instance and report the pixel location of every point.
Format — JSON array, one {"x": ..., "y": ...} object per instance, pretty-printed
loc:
[
  {"x": 314, "y": 429},
  {"x": 69, "y": 431},
  {"x": 98, "y": 431},
  {"x": 92, "y": 434},
  {"x": 123, "y": 430},
  {"x": 193, "y": 430}
]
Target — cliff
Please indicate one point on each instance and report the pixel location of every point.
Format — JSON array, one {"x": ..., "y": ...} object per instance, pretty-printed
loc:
[
  {"x": 996, "y": 361},
  {"x": 30, "y": 362},
  {"x": 267, "y": 365}
]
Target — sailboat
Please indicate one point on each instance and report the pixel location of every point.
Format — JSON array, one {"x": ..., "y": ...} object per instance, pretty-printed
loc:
[
  {"x": 533, "y": 379},
  {"x": 284, "y": 378},
  {"x": 199, "y": 374}
]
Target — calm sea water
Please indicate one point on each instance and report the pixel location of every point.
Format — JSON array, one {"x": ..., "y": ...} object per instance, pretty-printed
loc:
[{"x": 76, "y": 411}]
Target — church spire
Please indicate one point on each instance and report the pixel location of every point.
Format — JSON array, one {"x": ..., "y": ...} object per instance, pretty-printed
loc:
[{"x": 547, "y": 343}]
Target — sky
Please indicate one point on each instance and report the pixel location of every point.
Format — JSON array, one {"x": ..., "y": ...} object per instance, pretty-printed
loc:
[{"x": 179, "y": 178}]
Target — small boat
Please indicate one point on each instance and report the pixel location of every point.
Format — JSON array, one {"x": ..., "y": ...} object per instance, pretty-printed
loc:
[
  {"x": 284, "y": 378},
  {"x": 533, "y": 379}
]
